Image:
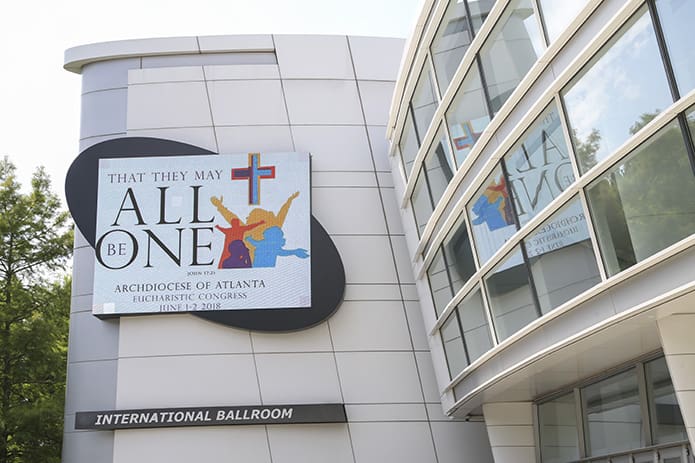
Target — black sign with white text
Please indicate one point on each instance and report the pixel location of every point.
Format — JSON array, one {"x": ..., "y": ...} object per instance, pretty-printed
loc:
[{"x": 211, "y": 416}]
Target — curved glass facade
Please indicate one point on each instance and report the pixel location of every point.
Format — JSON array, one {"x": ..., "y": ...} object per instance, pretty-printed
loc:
[
  {"x": 631, "y": 409},
  {"x": 593, "y": 173}
]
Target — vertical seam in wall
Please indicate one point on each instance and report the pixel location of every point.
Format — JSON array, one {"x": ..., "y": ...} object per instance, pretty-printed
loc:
[
  {"x": 393, "y": 254},
  {"x": 328, "y": 326},
  {"x": 340, "y": 388},
  {"x": 113, "y": 447},
  {"x": 255, "y": 367},
  {"x": 260, "y": 394},
  {"x": 207, "y": 94},
  {"x": 284, "y": 96},
  {"x": 115, "y": 392},
  {"x": 267, "y": 439}
]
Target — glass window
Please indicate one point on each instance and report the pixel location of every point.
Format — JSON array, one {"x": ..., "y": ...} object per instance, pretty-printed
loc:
[
  {"x": 615, "y": 413},
  {"x": 479, "y": 10},
  {"x": 667, "y": 422},
  {"x": 563, "y": 238},
  {"x": 439, "y": 283},
  {"x": 491, "y": 216},
  {"x": 432, "y": 180},
  {"x": 621, "y": 87},
  {"x": 510, "y": 297},
  {"x": 421, "y": 202},
  {"x": 424, "y": 101},
  {"x": 476, "y": 331},
  {"x": 676, "y": 22},
  {"x": 451, "y": 267},
  {"x": 644, "y": 204},
  {"x": 509, "y": 52},
  {"x": 558, "y": 14},
  {"x": 408, "y": 144},
  {"x": 468, "y": 115},
  {"x": 450, "y": 42},
  {"x": 612, "y": 414},
  {"x": 539, "y": 167},
  {"x": 558, "y": 430},
  {"x": 453, "y": 345},
  {"x": 459, "y": 255}
]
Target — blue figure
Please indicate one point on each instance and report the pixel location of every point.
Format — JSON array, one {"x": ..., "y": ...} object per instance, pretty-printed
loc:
[
  {"x": 489, "y": 213},
  {"x": 270, "y": 247}
]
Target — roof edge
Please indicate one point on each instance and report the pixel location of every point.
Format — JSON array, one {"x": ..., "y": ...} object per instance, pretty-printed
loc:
[{"x": 76, "y": 58}]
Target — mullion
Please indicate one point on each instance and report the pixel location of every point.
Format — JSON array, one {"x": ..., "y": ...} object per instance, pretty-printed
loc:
[
  {"x": 647, "y": 432},
  {"x": 418, "y": 139},
  {"x": 688, "y": 139},
  {"x": 448, "y": 273},
  {"x": 522, "y": 244},
  {"x": 469, "y": 20},
  {"x": 483, "y": 83},
  {"x": 544, "y": 27},
  {"x": 463, "y": 339},
  {"x": 671, "y": 78},
  {"x": 427, "y": 185},
  {"x": 663, "y": 50}
]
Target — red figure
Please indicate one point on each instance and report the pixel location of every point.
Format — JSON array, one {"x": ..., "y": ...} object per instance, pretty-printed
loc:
[{"x": 234, "y": 233}]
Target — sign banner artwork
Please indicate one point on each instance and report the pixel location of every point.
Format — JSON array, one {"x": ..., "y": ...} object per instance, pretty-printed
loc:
[
  {"x": 202, "y": 233},
  {"x": 211, "y": 416}
]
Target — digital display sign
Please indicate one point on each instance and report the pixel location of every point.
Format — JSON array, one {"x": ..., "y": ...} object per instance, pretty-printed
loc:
[{"x": 203, "y": 233}]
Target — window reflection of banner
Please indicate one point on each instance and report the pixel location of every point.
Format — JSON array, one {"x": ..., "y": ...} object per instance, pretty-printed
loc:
[
  {"x": 464, "y": 135},
  {"x": 539, "y": 167},
  {"x": 492, "y": 218},
  {"x": 567, "y": 227}
]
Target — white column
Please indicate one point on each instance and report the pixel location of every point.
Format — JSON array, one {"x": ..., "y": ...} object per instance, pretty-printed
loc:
[
  {"x": 510, "y": 430},
  {"x": 678, "y": 342}
]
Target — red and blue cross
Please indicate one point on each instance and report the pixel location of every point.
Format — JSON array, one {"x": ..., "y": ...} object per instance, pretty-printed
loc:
[{"x": 254, "y": 173}]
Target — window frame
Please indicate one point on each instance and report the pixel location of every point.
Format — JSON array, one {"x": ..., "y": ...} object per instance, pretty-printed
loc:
[{"x": 639, "y": 365}]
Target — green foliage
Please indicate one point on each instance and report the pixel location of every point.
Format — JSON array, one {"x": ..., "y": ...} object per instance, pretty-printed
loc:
[
  {"x": 586, "y": 149},
  {"x": 35, "y": 243},
  {"x": 643, "y": 203},
  {"x": 644, "y": 119}
]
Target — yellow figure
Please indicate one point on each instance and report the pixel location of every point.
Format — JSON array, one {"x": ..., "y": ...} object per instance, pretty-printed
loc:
[{"x": 266, "y": 218}]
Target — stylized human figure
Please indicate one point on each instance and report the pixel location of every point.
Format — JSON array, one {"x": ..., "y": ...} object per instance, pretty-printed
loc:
[
  {"x": 270, "y": 247},
  {"x": 493, "y": 207},
  {"x": 268, "y": 218},
  {"x": 235, "y": 233},
  {"x": 238, "y": 256},
  {"x": 488, "y": 213}
]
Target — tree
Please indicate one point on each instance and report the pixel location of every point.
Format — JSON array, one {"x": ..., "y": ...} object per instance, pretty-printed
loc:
[
  {"x": 644, "y": 119},
  {"x": 586, "y": 149},
  {"x": 35, "y": 243},
  {"x": 643, "y": 204}
]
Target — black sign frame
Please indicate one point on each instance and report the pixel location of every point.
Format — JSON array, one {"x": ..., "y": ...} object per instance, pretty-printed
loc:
[
  {"x": 210, "y": 416},
  {"x": 327, "y": 271}
]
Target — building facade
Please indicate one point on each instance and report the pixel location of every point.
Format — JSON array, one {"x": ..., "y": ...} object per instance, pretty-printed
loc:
[
  {"x": 543, "y": 158},
  {"x": 328, "y": 96}
]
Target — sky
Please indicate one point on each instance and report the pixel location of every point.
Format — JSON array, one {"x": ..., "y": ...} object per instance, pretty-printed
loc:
[{"x": 40, "y": 101}]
